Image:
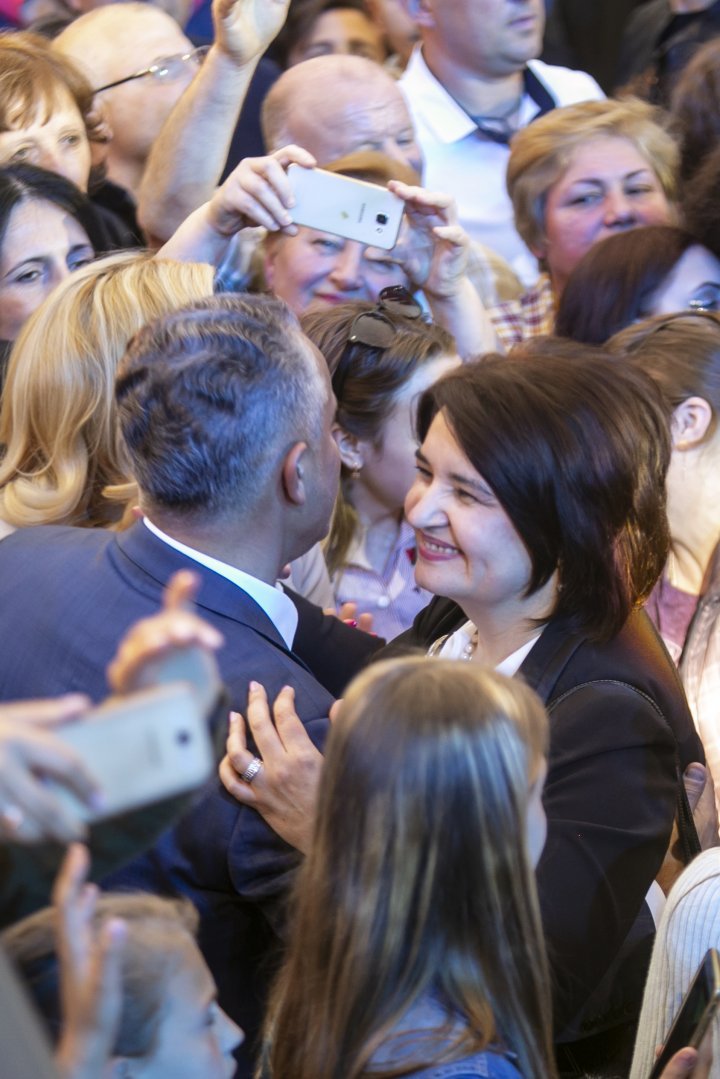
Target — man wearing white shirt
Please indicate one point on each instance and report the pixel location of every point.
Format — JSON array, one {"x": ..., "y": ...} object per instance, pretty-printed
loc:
[{"x": 470, "y": 85}]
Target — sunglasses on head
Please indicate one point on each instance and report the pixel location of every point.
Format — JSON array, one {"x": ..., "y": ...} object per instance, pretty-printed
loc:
[{"x": 376, "y": 329}]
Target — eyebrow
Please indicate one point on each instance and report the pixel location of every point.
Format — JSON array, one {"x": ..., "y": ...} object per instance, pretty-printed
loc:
[
  {"x": 626, "y": 176},
  {"x": 456, "y": 477}
]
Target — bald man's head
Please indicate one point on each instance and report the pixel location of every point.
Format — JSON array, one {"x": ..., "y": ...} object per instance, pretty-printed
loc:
[
  {"x": 112, "y": 42},
  {"x": 333, "y": 105}
]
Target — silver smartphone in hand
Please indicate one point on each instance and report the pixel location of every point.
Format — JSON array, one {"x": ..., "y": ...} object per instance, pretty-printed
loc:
[
  {"x": 142, "y": 748},
  {"x": 345, "y": 207}
]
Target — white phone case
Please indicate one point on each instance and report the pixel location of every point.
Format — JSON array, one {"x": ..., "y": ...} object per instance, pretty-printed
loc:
[
  {"x": 142, "y": 748},
  {"x": 345, "y": 207}
]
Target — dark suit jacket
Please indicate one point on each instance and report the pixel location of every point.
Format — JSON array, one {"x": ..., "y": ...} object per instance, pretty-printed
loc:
[
  {"x": 66, "y": 597},
  {"x": 620, "y": 729}
]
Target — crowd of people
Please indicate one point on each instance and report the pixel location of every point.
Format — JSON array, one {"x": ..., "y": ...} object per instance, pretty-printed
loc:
[{"x": 430, "y": 536}]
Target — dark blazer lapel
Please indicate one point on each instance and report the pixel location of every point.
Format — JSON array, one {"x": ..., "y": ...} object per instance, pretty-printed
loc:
[
  {"x": 549, "y": 656},
  {"x": 151, "y": 557}
]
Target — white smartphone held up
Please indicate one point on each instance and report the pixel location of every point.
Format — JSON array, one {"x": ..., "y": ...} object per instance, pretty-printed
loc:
[
  {"x": 345, "y": 207},
  {"x": 141, "y": 749}
]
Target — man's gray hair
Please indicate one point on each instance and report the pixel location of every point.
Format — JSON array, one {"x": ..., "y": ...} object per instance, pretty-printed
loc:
[{"x": 211, "y": 398}]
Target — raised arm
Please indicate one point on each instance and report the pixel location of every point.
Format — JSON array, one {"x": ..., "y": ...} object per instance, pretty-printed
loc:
[
  {"x": 257, "y": 192},
  {"x": 188, "y": 157},
  {"x": 434, "y": 253}
]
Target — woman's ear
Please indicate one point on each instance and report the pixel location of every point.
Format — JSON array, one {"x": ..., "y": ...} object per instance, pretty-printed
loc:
[
  {"x": 690, "y": 422},
  {"x": 350, "y": 449}
]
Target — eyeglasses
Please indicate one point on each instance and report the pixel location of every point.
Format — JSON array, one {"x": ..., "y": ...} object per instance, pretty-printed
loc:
[
  {"x": 706, "y": 298},
  {"x": 164, "y": 69},
  {"x": 376, "y": 329}
]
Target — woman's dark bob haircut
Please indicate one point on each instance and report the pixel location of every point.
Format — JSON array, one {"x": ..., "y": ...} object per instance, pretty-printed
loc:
[
  {"x": 575, "y": 446},
  {"x": 613, "y": 284}
]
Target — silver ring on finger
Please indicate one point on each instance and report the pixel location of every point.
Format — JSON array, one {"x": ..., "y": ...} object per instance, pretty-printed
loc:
[{"x": 252, "y": 770}]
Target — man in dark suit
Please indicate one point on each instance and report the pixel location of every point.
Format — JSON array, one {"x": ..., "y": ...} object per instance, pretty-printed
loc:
[{"x": 226, "y": 410}]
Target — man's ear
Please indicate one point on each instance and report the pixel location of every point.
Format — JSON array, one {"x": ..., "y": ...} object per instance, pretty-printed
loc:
[
  {"x": 350, "y": 449},
  {"x": 421, "y": 11},
  {"x": 690, "y": 423},
  {"x": 293, "y": 474}
]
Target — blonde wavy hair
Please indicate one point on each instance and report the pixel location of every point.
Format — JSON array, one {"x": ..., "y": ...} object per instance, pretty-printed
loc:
[{"x": 64, "y": 461}]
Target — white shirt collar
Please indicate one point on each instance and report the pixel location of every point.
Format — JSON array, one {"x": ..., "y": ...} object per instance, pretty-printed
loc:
[
  {"x": 279, "y": 608},
  {"x": 447, "y": 120},
  {"x": 456, "y": 643},
  {"x": 512, "y": 663}
]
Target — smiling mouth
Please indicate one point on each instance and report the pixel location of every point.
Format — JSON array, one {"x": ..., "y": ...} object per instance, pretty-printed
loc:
[{"x": 434, "y": 550}]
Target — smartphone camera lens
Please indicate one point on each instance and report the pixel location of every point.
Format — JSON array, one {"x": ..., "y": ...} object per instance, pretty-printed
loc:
[
  {"x": 183, "y": 737},
  {"x": 382, "y": 219}
]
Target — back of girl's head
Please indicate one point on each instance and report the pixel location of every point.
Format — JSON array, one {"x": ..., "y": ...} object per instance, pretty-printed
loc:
[
  {"x": 367, "y": 381},
  {"x": 613, "y": 284},
  {"x": 418, "y": 879},
  {"x": 26, "y": 183},
  {"x": 681, "y": 353},
  {"x": 575, "y": 448},
  {"x": 159, "y": 932},
  {"x": 58, "y": 419}
]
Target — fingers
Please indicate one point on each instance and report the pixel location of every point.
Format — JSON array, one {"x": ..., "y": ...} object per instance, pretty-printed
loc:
[
  {"x": 233, "y": 784},
  {"x": 292, "y": 154},
  {"x": 694, "y": 778},
  {"x": 45, "y": 713},
  {"x": 452, "y": 234},
  {"x": 180, "y": 591},
  {"x": 236, "y": 744},
  {"x": 260, "y": 190},
  {"x": 335, "y": 710},
  {"x": 153, "y": 637},
  {"x": 289, "y": 728},
  {"x": 681, "y": 1065},
  {"x": 74, "y": 902},
  {"x": 235, "y": 761},
  {"x": 71, "y": 876},
  {"x": 29, "y": 809},
  {"x": 424, "y": 202},
  {"x": 365, "y": 622},
  {"x": 260, "y": 723}
]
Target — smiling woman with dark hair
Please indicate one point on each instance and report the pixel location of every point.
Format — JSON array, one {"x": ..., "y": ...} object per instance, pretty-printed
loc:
[
  {"x": 539, "y": 513},
  {"x": 539, "y": 516}
]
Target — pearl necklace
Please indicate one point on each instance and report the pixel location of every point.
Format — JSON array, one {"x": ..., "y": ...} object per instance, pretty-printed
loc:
[{"x": 470, "y": 648}]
